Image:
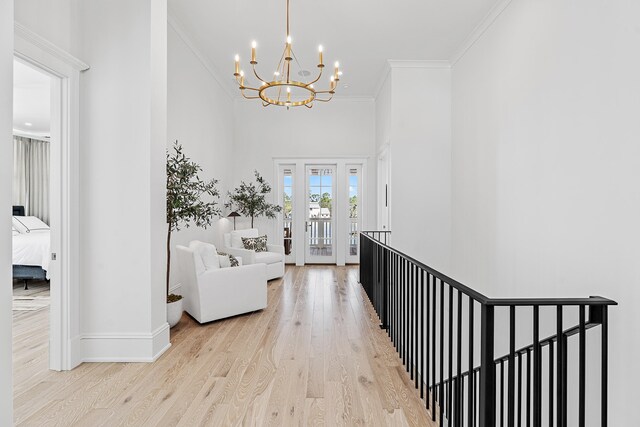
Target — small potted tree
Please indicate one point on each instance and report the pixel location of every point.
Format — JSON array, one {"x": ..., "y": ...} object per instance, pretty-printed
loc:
[
  {"x": 250, "y": 199},
  {"x": 185, "y": 206}
]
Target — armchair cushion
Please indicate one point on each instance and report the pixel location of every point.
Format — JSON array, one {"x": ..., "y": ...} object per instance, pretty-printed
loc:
[
  {"x": 237, "y": 235},
  {"x": 206, "y": 256},
  {"x": 268, "y": 257}
]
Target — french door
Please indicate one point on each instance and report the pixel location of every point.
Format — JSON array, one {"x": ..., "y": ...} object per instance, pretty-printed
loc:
[
  {"x": 323, "y": 209},
  {"x": 320, "y": 218}
]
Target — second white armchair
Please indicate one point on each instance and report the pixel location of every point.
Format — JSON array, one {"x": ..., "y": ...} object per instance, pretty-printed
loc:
[{"x": 273, "y": 257}]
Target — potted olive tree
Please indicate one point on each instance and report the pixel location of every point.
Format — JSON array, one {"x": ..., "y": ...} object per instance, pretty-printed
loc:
[
  {"x": 250, "y": 199},
  {"x": 185, "y": 206}
]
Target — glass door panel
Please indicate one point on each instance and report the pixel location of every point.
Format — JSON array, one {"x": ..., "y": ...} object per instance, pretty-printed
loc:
[
  {"x": 354, "y": 216},
  {"x": 287, "y": 180},
  {"x": 320, "y": 221}
]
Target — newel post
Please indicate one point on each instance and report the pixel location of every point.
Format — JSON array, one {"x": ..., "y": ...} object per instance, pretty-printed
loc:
[{"x": 487, "y": 369}]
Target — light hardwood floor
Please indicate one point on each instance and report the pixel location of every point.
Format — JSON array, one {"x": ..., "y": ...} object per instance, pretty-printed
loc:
[{"x": 315, "y": 356}]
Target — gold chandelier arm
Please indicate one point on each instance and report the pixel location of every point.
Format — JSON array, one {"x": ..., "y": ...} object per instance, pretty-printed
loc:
[
  {"x": 309, "y": 106},
  {"x": 319, "y": 75},
  {"x": 255, "y": 73},
  {"x": 325, "y": 100},
  {"x": 248, "y": 97}
]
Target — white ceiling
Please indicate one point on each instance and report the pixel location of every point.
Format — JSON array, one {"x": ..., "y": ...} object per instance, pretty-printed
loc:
[
  {"x": 361, "y": 34},
  {"x": 31, "y": 100}
]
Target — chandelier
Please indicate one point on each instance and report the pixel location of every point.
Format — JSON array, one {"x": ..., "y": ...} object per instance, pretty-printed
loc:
[{"x": 282, "y": 90}]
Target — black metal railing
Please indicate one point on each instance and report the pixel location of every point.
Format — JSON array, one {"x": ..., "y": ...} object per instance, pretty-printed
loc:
[{"x": 433, "y": 321}]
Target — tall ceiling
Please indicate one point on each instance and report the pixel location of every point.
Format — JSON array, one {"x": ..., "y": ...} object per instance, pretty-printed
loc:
[
  {"x": 31, "y": 100},
  {"x": 361, "y": 34}
]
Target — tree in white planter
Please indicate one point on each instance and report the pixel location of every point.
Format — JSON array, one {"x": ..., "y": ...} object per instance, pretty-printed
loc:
[
  {"x": 185, "y": 206},
  {"x": 250, "y": 199}
]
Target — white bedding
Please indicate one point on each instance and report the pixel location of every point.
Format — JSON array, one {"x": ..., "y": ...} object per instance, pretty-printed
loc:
[{"x": 32, "y": 249}]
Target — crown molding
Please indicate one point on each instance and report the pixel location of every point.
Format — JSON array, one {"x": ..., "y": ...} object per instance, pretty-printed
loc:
[
  {"x": 24, "y": 33},
  {"x": 479, "y": 30},
  {"x": 427, "y": 63},
  {"x": 188, "y": 41}
]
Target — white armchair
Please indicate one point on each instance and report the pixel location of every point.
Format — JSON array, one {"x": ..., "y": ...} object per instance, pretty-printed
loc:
[
  {"x": 216, "y": 293},
  {"x": 273, "y": 258}
]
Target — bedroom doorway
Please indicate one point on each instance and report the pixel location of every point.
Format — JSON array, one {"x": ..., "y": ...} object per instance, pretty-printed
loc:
[
  {"x": 33, "y": 276},
  {"x": 63, "y": 70}
]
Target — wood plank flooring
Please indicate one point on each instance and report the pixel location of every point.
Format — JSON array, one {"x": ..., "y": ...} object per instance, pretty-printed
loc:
[{"x": 315, "y": 356}]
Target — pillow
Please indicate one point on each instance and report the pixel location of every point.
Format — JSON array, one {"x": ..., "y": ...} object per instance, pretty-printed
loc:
[
  {"x": 27, "y": 224},
  {"x": 236, "y": 237},
  {"x": 197, "y": 260},
  {"x": 224, "y": 261},
  {"x": 207, "y": 253},
  {"x": 258, "y": 244},
  {"x": 227, "y": 260}
]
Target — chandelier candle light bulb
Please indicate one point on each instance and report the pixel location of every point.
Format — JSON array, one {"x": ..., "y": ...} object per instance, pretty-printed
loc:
[
  {"x": 270, "y": 92},
  {"x": 288, "y": 49}
]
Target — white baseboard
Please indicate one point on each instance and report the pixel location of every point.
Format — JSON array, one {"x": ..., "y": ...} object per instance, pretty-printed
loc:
[
  {"x": 128, "y": 347},
  {"x": 75, "y": 357}
]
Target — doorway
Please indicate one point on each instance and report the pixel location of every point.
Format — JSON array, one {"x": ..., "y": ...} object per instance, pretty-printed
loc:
[
  {"x": 320, "y": 219},
  {"x": 63, "y": 71},
  {"x": 324, "y": 209},
  {"x": 34, "y": 276}
]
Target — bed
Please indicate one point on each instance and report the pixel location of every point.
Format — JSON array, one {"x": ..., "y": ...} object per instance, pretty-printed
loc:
[{"x": 31, "y": 248}]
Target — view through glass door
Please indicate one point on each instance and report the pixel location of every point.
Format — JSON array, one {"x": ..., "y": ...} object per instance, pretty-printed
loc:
[
  {"x": 354, "y": 212},
  {"x": 320, "y": 218},
  {"x": 288, "y": 224}
]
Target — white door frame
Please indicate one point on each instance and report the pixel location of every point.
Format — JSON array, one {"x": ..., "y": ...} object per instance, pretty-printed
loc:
[
  {"x": 354, "y": 259},
  {"x": 300, "y": 202},
  {"x": 279, "y": 190},
  {"x": 64, "y": 348}
]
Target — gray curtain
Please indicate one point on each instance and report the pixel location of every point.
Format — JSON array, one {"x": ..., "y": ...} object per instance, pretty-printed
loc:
[{"x": 31, "y": 176}]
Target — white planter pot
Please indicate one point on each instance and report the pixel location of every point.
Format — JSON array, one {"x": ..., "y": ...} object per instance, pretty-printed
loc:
[{"x": 174, "y": 313}]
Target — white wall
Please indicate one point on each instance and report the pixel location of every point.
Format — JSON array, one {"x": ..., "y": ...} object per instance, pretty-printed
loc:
[
  {"x": 6, "y": 177},
  {"x": 201, "y": 119},
  {"x": 414, "y": 118},
  {"x": 383, "y": 111},
  {"x": 546, "y": 165},
  {"x": 342, "y": 128},
  {"x": 55, "y": 20},
  {"x": 123, "y": 140}
]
